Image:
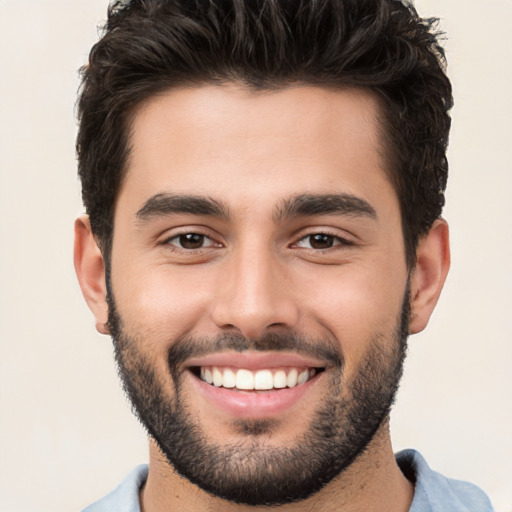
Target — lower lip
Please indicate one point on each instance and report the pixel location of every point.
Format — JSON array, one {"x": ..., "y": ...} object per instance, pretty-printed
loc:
[{"x": 252, "y": 404}]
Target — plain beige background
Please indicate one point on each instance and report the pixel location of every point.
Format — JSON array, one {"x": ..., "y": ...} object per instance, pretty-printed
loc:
[{"x": 67, "y": 435}]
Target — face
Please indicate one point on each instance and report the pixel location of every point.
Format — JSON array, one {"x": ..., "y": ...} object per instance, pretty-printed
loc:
[{"x": 258, "y": 286}]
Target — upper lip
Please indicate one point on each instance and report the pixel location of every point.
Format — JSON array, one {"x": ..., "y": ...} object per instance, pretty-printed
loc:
[{"x": 250, "y": 360}]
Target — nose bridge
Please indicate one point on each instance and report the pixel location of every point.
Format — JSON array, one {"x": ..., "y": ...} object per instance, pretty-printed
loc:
[{"x": 252, "y": 296}]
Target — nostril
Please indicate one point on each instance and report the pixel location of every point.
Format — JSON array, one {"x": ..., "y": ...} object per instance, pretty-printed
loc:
[{"x": 252, "y": 315}]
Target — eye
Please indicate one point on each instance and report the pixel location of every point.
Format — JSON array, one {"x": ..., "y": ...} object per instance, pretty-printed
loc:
[
  {"x": 191, "y": 241},
  {"x": 321, "y": 241}
]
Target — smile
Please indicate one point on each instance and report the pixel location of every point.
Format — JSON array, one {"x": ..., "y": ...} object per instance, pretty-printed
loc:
[
  {"x": 260, "y": 380},
  {"x": 253, "y": 384}
]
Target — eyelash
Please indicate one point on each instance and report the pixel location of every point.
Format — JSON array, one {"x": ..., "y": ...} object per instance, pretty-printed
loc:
[
  {"x": 336, "y": 241},
  {"x": 168, "y": 241}
]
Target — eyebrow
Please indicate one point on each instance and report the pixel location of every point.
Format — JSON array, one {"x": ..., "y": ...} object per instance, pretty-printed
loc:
[
  {"x": 164, "y": 204},
  {"x": 324, "y": 204}
]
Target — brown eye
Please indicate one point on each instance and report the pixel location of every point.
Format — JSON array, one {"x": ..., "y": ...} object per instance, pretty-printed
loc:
[
  {"x": 191, "y": 240},
  {"x": 191, "y": 244},
  {"x": 320, "y": 241}
]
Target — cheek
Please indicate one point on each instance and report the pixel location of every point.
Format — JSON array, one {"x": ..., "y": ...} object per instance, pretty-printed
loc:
[
  {"x": 162, "y": 304},
  {"x": 356, "y": 304}
]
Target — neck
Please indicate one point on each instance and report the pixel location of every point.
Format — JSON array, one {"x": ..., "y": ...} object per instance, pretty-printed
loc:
[{"x": 373, "y": 482}]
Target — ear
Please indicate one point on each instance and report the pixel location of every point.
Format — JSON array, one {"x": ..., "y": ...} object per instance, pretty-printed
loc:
[
  {"x": 90, "y": 269},
  {"x": 429, "y": 275}
]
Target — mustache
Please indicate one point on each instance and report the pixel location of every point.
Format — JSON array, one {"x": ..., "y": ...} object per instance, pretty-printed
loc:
[{"x": 189, "y": 346}]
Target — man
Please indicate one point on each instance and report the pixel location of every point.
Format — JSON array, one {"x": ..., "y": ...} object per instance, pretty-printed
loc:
[{"x": 264, "y": 183}]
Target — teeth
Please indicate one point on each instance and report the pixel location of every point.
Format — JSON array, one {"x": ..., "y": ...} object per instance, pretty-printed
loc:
[
  {"x": 217, "y": 377},
  {"x": 244, "y": 379},
  {"x": 207, "y": 376},
  {"x": 229, "y": 378},
  {"x": 280, "y": 379},
  {"x": 303, "y": 377},
  {"x": 259, "y": 380},
  {"x": 291, "y": 379},
  {"x": 263, "y": 380}
]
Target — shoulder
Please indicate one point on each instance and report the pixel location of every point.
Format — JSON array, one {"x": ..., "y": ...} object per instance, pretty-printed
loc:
[
  {"x": 125, "y": 497},
  {"x": 434, "y": 492}
]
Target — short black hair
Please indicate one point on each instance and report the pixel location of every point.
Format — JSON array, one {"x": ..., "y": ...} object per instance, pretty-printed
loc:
[{"x": 149, "y": 46}]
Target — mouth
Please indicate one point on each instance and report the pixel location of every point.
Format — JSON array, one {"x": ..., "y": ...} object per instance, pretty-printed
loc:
[
  {"x": 254, "y": 385},
  {"x": 264, "y": 379}
]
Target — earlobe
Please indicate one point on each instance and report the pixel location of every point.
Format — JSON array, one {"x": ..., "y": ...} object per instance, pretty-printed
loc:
[
  {"x": 90, "y": 270},
  {"x": 429, "y": 275}
]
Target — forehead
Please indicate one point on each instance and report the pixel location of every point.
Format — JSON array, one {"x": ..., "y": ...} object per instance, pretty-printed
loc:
[{"x": 243, "y": 145}]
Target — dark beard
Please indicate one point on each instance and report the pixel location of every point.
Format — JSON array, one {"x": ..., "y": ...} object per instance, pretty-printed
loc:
[{"x": 250, "y": 471}]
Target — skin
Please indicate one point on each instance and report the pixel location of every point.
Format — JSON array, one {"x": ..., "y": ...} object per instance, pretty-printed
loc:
[{"x": 258, "y": 274}]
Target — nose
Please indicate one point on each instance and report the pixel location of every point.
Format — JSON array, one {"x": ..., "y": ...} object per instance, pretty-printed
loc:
[{"x": 253, "y": 295}]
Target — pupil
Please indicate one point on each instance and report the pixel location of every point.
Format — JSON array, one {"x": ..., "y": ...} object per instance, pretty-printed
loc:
[
  {"x": 321, "y": 241},
  {"x": 191, "y": 241}
]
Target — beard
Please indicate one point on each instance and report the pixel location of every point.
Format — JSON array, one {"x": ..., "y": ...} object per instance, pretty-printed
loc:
[{"x": 249, "y": 470}]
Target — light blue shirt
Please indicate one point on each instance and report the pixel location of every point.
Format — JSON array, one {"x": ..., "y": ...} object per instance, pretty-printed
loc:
[{"x": 432, "y": 491}]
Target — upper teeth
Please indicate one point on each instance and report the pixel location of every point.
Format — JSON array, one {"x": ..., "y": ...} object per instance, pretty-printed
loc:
[{"x": 260, "y": 379}]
